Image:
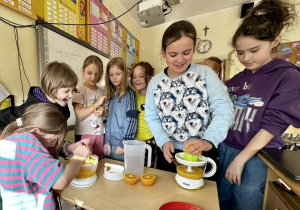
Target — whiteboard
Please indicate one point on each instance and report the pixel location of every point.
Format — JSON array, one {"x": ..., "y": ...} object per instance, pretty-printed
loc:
[{"x": 56, "y": 45}]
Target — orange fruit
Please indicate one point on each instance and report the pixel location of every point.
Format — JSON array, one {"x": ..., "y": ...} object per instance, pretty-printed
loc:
[
  {"x": 199, "y": 153},
  {"x": 131, "y": 178},
  {"x": 148, "y": 179},
  {"x": 189, "y": 157}
]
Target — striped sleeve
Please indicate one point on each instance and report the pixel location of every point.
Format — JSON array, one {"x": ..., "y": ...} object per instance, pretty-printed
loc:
[
  {"x": 43, "y": 169},
  {"x": 131, "y": 115}
]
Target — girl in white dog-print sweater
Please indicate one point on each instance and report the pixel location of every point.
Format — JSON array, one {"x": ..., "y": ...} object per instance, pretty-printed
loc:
[{"x": 180, "y": 100}]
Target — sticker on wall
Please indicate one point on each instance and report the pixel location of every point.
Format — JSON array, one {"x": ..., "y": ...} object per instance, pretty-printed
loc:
[{"x": 286, "y": 52}]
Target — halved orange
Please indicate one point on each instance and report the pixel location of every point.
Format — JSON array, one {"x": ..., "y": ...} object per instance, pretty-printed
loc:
[
  {"x": 131, "y": 178},
  {"x": 189, "y": 157},
  {"x": 199, "y": 153},
  {"x": 148, "y": 179}
]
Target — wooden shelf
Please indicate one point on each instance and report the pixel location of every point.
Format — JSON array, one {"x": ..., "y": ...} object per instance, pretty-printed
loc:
[{"x": 291, "y": 202}]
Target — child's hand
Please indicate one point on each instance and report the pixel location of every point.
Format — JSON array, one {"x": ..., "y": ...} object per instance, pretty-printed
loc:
[
  {"x": 168, "y": 148},
  {"x": 71, "y": 147},
  {"x": 234, "y": 171},
  {"x": 199, "y": 146},
  {"x": 101, "y": 100},
  {"x": 106, "y": 149},
  {"x": 99, "y": 112},
  {"x": 85, "y": 142},
  {"x": 82, "y": 151},
  {"x": 119, "y": 151}
]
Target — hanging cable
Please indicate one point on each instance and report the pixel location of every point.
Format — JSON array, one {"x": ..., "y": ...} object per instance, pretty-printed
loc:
[
  {"x": 16, "y": 40},
  {"x": 67, "y": 24},
  {"x": 166, "y": 3},
  {"x": 16, "y": 26},
  {"x": 92, "y": 24},
  {"x": 19, "y": 55}
]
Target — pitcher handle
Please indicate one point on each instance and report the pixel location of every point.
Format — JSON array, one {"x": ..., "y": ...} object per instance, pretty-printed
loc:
[
  {"x": 213, "y": 168},
  {"x": 149, "y": 148}
]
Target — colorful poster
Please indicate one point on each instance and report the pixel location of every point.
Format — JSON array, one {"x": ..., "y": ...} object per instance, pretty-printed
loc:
[
  {"x": 290, "y": 52},
  {"x": 81, "y": 16},
  {"x": 124, "y": 43},
  {"x": 137, "y": 51},
  {"x": 130, "y": 49},
  {"x": 116, "y": 38},
  {"x": 98, "y": 34},
  {"x": 26, "y": 7},
  {"x": 57, "y": 11}
]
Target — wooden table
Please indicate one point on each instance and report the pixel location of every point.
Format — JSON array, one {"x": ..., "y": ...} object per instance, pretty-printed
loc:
[
  {"x": 274, "y": 197},
  {"x": 109, "y": 195}
]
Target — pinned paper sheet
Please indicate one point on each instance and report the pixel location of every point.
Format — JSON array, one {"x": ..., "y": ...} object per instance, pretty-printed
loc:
[
  {"x": 3, "y": 93},
  {"x": 79, "y": 202}
]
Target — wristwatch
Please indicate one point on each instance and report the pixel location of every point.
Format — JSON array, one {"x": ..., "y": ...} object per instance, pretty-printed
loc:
[{"x": 63, "y": 152}]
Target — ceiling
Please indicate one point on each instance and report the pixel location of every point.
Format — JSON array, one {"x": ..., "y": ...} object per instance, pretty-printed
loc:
[{"x": 188, "y": 8}]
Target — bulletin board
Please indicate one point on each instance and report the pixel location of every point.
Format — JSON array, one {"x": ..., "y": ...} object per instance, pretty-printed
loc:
[
  {"x": 24, "y": 7},
  {"x": 130, "y": 49},
  {"x": 116, "y": 38},
  {"x": 57, "y": 45},
  {"x": 291, "y": 52}
]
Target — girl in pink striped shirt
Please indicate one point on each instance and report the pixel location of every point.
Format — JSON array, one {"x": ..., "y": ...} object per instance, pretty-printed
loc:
[{"x": 28, "y": 157}]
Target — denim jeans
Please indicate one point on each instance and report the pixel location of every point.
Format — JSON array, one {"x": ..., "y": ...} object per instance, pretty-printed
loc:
[{"x": 248, "y": 195}]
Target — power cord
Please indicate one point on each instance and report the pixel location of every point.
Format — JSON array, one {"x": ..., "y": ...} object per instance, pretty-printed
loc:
[
  {"x": 91, "y": 24},
  {"x": 20, "y": 62},
  {"x": 166, "y": 3},
  {"x": 16, "y": 26}
]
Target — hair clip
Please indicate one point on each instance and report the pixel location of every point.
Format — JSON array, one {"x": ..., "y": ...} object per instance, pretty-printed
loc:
[
  {"x": 19, "y": 122},
  {"x": 260, "y": 12}
]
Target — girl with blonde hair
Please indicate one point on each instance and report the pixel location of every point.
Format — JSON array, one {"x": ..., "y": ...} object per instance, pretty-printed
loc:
[
  {"x": 29, "y": 149},
  {"x": 122, "y": 119}
]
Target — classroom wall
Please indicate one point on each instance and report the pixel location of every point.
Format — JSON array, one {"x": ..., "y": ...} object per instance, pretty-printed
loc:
[
  {"x": 9, "y": 70},
  {"x": 222, "y": 24},
  {"x": 126, "y": 20}
]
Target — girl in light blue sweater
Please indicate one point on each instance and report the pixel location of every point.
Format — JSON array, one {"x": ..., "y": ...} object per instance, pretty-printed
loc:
[
  {"x": 122, "y": 118},
  {"x": 181, "y": 99}
]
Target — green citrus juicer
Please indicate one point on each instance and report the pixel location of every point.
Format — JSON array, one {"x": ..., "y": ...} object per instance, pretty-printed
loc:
[{"x": 189, "y": 157}]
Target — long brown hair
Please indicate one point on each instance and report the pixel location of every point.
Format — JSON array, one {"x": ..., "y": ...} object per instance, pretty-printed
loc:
[
  {"x": 148, "y": 71},
  {"x": 109, "y": 86},
  {"x": 92, "y": 59},
  {"x": 266, "y": 21},
  {"x": 176, "y": 31},
  {"x": 45, "y": 116}
]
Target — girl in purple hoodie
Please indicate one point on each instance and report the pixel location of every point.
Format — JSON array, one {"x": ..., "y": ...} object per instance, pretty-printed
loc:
[{"x": 266, "y": 98}]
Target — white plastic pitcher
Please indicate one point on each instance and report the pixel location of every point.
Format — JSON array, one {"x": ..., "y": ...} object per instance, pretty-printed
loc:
[{"x": 134, "y": 156}]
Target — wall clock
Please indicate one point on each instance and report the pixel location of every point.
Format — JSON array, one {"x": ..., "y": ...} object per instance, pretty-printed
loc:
[{"x": 204, "y": 46}]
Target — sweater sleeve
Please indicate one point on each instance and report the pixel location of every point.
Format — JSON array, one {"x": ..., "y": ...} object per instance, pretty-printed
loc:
[
  {"x": 79, "y": 96},
  {"x": 131, "y": 115},
  {"x": 43, "y": 169},
  {"x": 283, "y": 108},
  {"x": 151, "y": 117},
  {"x": 221, "y": 108},
  {"x": 107, "y": 135},
  {"x": 8, "y": 115}
]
